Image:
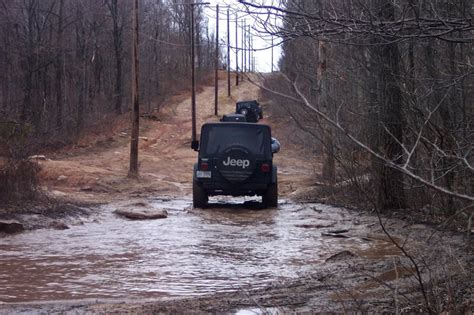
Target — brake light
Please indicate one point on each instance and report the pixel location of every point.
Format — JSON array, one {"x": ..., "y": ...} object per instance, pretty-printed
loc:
[
  {"x": 265, "y": 167},
  {"x": 204, "y": 166}
]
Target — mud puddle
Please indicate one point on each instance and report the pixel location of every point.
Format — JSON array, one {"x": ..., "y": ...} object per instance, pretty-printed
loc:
[{"x": 232, "y": 245}]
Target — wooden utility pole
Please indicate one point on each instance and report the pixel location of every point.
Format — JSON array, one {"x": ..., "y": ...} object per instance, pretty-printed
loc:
[
  {"x": 253, "y": 57},
  {"x": 252, "y": 53},
  {"x": 236, "y": 50},
  {"x": 228, "y": 54},
  {"x": 216, "y": 80},
  {"x": 272, "y": 54},
  {"x": 133, "y": 171},
  {"x": 194, "y": 141},
  {"x": 242, "y": 42},
  {"x": 250, "y": 47},
  {"x": 244, "y": 51},
  {"x": 60, "y": 73}
]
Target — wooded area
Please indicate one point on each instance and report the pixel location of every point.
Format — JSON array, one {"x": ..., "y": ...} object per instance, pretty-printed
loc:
[
  {"x": 65, "y": 65},
  {"x": 387, "y": 88}
]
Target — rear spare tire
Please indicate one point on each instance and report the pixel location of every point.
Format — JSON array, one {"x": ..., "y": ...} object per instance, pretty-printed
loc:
[
  {"x": 200, "y": 197},
  {"x": 236, "y": 164}
]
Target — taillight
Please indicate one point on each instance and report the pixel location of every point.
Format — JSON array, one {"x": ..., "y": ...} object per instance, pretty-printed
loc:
[
  {"x": 204, "y": 166},
  {"x": 265, "y": 167}
]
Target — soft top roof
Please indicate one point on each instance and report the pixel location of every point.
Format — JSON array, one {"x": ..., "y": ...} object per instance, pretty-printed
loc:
[
  {"x": 216, "y": 137},
  {"x": 248, "y": 101},
  {"x": 222, "y": 125}
]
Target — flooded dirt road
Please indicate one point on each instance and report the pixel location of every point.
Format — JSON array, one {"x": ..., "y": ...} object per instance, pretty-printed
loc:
[{"x": 193, "y": 252}]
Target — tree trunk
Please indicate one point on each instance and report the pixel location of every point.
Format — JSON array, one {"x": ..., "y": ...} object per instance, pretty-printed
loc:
[
  {"x": 445, "y": 113},
  {"x": 26, "y": 110},
  {"x": 59, "y": 64},
  {"x": 391, "y": 193},
  {"x": 329, "y": 165},
  {"x": 81, "y": 55},
  {"x": 117, "y": 35}
]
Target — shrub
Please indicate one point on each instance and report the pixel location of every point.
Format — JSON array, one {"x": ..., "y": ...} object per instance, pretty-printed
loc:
[
  {"x": 18, "y": 174},
  {"x": 18, "y": 180}
]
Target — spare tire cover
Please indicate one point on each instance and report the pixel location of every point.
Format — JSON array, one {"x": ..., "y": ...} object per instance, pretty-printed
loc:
[{"x": 236, "y": 164}]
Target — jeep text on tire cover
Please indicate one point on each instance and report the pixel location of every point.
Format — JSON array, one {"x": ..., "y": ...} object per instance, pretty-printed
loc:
[
  {"x": 235, "y": 158},
  {"x": 237, "y": 163},
  {"x": 233, "y": 162}
]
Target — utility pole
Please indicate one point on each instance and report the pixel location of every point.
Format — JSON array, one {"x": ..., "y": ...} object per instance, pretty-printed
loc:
[
  {"x": 272, "y": 54},
  {"x": 242, "y": 44},
  {"x": 253, "y": 57},
  {"x": 228, "y": 54},
  {"x": 216, "y": 80},
  {"x": 250, "y": 51},
  {"x": 244, "y": 51},
  {"x": 236, "y": 50},
  {"x": 194, "y": 141},
  {"x": 133, "y": 170},
  {"x": 251, "y": 54}
]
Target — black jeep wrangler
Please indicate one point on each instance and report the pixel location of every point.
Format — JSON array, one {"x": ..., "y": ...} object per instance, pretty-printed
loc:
[
  {"x": 251, "y": 109},
  {"x": 235, "y": 158}
]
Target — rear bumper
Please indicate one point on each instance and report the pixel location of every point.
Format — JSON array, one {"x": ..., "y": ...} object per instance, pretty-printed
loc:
[
  {"x": 246, "y": 189},
  {"x": 218, "y": 185}
]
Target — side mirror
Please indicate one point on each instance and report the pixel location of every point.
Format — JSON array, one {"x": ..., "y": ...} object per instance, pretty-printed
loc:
[
  {"x": 275, "y": 145},
  {"x": 195, "y": 145}
]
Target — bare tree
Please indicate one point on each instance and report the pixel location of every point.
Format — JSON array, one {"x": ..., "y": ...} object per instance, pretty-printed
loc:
[
  {"x": 60, "y": 67},
  {"x": 118, "y": 47}
]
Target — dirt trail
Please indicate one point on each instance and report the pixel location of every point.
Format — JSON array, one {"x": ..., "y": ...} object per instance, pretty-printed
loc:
[{"x": 98, "y": 172}]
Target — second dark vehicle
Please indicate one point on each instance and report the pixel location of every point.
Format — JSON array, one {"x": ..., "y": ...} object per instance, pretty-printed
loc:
[{"x": 251, "y": 109}]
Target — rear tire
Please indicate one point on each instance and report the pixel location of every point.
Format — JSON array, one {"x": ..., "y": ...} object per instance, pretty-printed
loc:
[
  {"x": 200, "y": 197},
  {"x": 270, "y": 198}
]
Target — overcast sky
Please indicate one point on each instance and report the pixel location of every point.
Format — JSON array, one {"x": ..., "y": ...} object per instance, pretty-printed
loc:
[{"x": 262, "y": 57}]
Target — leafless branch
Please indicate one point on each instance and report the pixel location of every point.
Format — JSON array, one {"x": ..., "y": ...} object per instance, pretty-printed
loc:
[{"x": 359, "y": 143}]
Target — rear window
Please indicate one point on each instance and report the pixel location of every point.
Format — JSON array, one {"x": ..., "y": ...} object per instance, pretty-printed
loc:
[{"x": 217, "y": 138}]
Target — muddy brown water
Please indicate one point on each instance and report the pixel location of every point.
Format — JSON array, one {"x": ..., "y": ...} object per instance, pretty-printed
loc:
[{"x": 230, "y": 246}]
